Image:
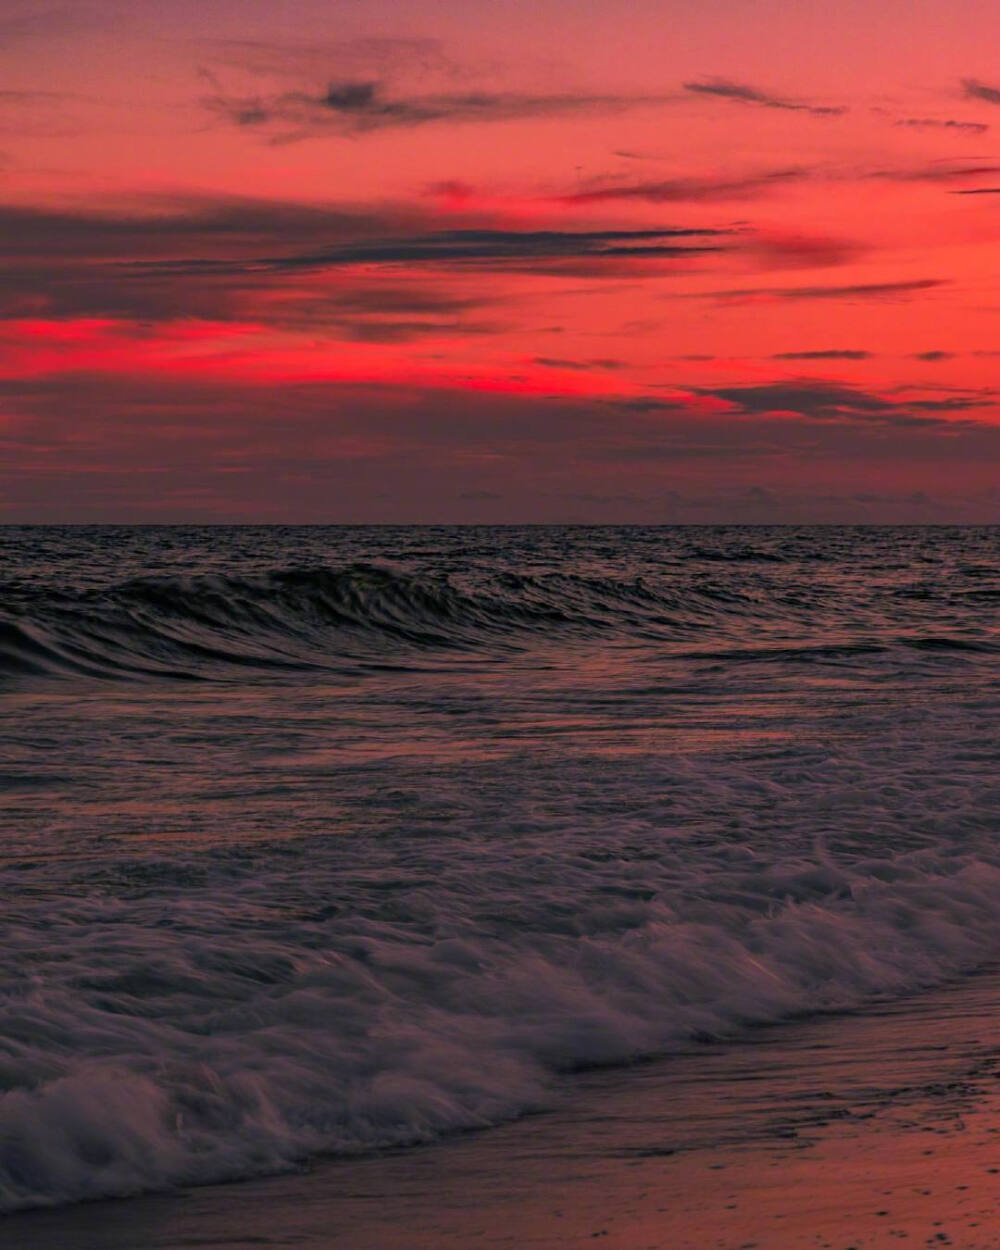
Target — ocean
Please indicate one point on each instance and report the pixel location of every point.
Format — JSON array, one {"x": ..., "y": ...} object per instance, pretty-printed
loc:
[{"x": 322, "y": 840}]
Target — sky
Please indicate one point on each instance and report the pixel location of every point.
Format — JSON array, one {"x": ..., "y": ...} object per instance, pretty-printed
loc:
[{"x": 558, "y": 261}]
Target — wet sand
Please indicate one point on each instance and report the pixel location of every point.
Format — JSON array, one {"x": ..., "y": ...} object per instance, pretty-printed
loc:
[{"x": 867, "y": 1131}]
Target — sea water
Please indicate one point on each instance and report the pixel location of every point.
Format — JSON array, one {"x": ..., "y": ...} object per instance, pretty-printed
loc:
[{"x": 321, "y": 840}]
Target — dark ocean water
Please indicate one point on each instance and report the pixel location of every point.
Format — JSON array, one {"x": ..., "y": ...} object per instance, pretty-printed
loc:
[{"x": 320, "y": 840}]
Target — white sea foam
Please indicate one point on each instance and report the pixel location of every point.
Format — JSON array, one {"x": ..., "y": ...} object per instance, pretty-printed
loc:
[{"x": 206, "y": 1037}]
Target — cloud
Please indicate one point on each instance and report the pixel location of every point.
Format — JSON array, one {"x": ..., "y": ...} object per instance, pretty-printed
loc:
[
  {"x": 805, "y": 398},
  {"x": 174, "y": 449},
  {"x": 551, "y": 362},
  {"x": 485, "y": 248},
  {"x": 977, "y": 191},
  {"x": 143, "y": 263},
  {"x": 377, "y": 274},
  {"x": 163, "y": 225},
  {"x": 854, "y": 290},
  {"x": 938, "y": 171},
  {"x": 693, "y": 189},
  {"x": 976, "y": 90},
  {"x": 934, "y": 355},
  {"x": 361, "y": 106},
  {"x": 387, "y": 330},
  {"x": 825, "y": 401},
  {"x": 86, "y": 262},
  {"x": 611, "y": 190},
  {"x": 830, "y": 353},
  {"x": 741, "y": 93},
  {"x": 947, "y": 123}
]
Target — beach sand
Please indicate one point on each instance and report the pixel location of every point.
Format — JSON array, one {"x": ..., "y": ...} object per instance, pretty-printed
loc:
[{"x": 868, "y": 1130}]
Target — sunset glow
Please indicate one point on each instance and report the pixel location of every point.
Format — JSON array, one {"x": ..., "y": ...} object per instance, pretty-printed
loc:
[{"x": 345, "y": 262}]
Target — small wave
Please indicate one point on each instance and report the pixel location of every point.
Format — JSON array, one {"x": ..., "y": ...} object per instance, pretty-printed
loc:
[
  {"x": 738, "y": 555},
  {"x": 778, "y": 654},
  {"x": 943, "y": 643}
]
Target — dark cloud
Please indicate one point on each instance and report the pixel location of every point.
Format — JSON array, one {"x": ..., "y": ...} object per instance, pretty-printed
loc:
[
  {"x": 938, "y": 171},
  {"x": 977, "y": 191},
  {"x": 457, "y": 246},
  {"x": 946, "y": 123},
  {"x": 171, "y": 225},
  {"x": 388, "y": 330},
  {"x": 854, "y": 290},
  {"x": 977, "y": 90},
  {"x": 806, "y": 398},
  {"x": 552, "y": 362},
  {"x": 492, "y": 249},
  {"x": 741, "y": 93},
  {"x": 173, "y": 449},
  {"x": 360, "y": 106},
  {"x": 954, "y": 403},
  {"x": 373, "y": 311},
  {"x": 831, "y": 353},
  {"x": 734, "y": 187},
  {"x": 80, "y": 262},
  {"x": 147, "y": 263},
  {"x": 826, "y": 401},
  {"x": 218, "y": 258},
  {"x": 934, "y": 355},
  {"x": 680, "y": 190}
]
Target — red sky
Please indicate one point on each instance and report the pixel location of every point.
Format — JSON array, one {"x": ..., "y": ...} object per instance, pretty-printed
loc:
[{"x": 558, "y": 261}]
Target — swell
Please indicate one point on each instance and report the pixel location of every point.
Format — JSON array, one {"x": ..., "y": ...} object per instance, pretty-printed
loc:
[
  {"x": 285, "y": 620},
  {"x": 315, "y": 618}
]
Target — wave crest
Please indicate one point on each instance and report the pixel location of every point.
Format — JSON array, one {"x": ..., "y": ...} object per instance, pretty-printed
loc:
[
  {"x": 211, "y": 1058},
  {"x": 302, "y": 618}
]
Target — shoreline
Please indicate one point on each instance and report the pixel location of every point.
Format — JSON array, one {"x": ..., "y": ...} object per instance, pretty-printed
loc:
[{"x": 856, "y": 1130}]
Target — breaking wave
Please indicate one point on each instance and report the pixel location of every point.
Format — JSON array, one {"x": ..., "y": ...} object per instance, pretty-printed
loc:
[
  {"x": 387, "y": 998},
  {"x": 213, "y": 626}
]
